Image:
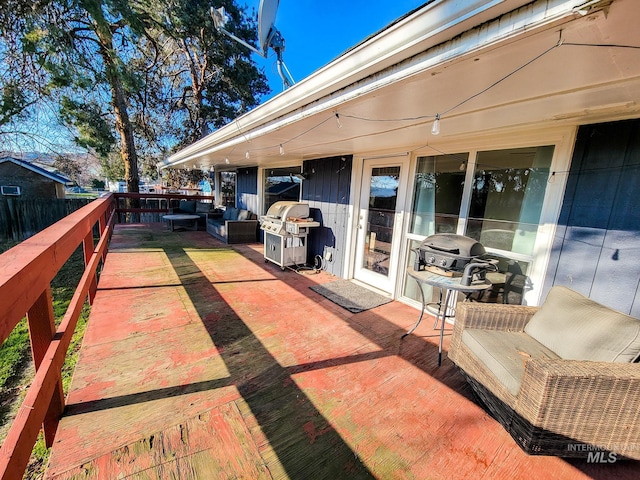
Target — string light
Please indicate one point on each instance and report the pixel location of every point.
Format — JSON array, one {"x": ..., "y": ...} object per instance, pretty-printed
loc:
[
  {"x": 247, "y": 155},
  {"x": 551, "y": 177},
  {"x": 435, "y": 129},
  {"x": 226, "y": 160}
]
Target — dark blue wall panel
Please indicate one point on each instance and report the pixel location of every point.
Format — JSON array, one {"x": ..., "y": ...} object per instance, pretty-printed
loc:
[
  {"x": 597, "y": 243},
  {"x": 326, "y": 189},
  {"x": 247, "y": 189}
]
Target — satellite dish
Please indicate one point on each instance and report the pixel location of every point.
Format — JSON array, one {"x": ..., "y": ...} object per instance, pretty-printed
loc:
[
  {"x": 266, "y": 22},
  {"x": 268, "y": 35}
]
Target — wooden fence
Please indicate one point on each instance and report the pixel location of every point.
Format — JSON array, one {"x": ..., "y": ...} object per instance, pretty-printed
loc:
[{"x": 22, "y": 218}]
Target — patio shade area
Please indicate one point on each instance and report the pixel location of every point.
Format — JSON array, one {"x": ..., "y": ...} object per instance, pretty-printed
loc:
[{"x": 202, "y": 361}]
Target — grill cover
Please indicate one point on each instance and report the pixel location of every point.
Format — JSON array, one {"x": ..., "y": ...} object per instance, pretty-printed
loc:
[{"x": 448, "y": 251}]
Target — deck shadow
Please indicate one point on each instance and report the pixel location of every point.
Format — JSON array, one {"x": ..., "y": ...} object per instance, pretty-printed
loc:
[
  {"x": 423, "y": 355},
  {"x": 305, "y": 443}
]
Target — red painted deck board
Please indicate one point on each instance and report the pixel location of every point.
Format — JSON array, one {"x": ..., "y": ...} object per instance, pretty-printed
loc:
[{"x": 203, "y": 361}]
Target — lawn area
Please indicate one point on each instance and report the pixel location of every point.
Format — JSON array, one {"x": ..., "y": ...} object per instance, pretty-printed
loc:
[{"x": 16, "y": 365}]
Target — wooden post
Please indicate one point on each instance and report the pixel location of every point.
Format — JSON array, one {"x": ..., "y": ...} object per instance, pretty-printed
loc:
[
  {"x": 42, "y": 329},
  {"x": 87, "y": 249},
  {"x": 102, "y": 223}
]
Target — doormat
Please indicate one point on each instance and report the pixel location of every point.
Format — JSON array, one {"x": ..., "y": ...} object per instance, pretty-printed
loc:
[{"x": 350, "y": 296}]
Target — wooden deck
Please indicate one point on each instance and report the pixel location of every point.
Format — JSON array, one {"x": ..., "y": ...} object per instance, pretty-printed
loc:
[{"x": 201, "y": 361}]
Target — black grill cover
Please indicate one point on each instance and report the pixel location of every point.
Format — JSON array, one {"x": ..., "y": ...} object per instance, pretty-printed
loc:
[{"x": 449, "y": 251}]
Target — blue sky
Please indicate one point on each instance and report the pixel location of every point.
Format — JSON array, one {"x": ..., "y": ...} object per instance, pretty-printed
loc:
[{"x": 317, "y": 32}]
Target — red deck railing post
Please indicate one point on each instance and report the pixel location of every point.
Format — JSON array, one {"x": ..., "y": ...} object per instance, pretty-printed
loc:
[
  {"x": 87, "y": 250},
  {"x": 42, "y": 328}
]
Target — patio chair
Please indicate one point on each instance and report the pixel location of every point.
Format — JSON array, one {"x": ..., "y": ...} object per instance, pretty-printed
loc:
[{"x": 562, "y": 379}]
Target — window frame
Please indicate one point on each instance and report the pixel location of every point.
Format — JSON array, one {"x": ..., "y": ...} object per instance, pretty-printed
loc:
[{"x": 563, "y": 141}]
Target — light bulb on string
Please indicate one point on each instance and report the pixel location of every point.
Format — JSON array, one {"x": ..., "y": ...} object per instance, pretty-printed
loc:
[
  {"x": 551, "y": 177},
  {"x": 247, "y": 155},
  {"x": 435, "y": 129},
  {"x": 338, "y": 121},
  {"x": 281, "y": 150},
  {"x": 226, "y": 160}
]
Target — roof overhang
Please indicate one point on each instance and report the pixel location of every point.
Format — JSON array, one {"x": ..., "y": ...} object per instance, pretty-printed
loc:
[{"x": 482, "y": 65}]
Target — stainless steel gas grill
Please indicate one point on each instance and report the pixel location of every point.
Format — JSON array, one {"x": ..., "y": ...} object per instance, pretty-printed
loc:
[
  {"x": 453, "y": 264},
  {"x": 448, "y": 251},
  {"x": 286, "y": 226},
  {"x": 456, "y": 255}
]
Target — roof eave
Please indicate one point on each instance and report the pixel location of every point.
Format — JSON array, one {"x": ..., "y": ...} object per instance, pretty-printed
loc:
[{"x": 428, "y": 26}]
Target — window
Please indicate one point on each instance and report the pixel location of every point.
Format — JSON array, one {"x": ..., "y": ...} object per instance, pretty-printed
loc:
[
  {"x": 506, "y": 199},
  {"x": 439, "y": 183},
  {"x": 505, "y": 205},
  {"x": 281, "y": 184},
  {"x": 228, "y": 189},
  {"x": 10, "y": 190}
]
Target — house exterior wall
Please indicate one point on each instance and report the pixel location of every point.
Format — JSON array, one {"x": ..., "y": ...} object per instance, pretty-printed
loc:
[
  {"x": 597, "y": 240},
  {"x": 31, "y": 184},
  {"x": 327, "y": 189},
  {"x": 247, "y": 189}
]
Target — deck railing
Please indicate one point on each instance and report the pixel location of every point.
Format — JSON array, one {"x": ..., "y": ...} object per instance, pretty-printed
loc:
[
  {"x": 149, "y": 207},
  {"x": 26, "y": 272}
]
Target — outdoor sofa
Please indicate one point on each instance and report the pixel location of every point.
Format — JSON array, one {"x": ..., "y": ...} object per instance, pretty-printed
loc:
[
  {"x": 234, "y": 225},
  {"x": 194, "y": 207},
  {"x": 562, "y": 379}
]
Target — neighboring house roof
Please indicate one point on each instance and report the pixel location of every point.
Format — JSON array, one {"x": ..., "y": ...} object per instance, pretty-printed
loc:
[
  {"x": 56, "y": 177},
  {"x": 484, "y": 66}
]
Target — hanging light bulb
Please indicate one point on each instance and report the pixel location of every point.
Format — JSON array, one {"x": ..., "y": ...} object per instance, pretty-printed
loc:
[
  {"x": 435, "y": 129},
  {"x": 281, "y": 150},
  {"x": 226, "y": 160},
  {"x": 463, "y": 166},
  {"x": 551, "y": 177},
  {"x": 246, "y": 155},
  {"x": 338, "y": 121}
]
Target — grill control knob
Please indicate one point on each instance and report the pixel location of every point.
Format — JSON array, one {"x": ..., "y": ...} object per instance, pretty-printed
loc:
[
  {"x": 443, "y": 262},
  {"x": 431, "y": 260}
]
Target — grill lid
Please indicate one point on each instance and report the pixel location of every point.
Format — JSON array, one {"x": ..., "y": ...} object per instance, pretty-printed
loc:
[
  {"x": 448, "y": 251},
  {"x": 285, "y": 209},
  {"x": 452, "y": 244}
]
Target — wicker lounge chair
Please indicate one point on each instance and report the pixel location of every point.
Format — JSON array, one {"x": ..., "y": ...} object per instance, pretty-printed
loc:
[{"x": 562, "y": 379}]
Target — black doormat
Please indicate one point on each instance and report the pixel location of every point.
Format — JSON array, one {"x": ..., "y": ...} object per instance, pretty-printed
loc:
[{"x": 350, "y": 296}]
